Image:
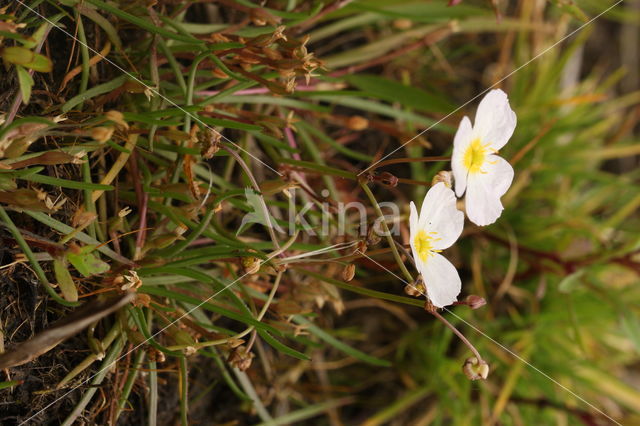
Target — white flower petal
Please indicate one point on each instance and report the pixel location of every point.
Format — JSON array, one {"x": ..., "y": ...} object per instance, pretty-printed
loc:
[
  {"x": 431, "y": 211},
  {"x": 485, "y": 189},
  {"x": 461, "y": 141},
  {"x": 413, "y": 217},
  {"x": 442, "y": 280},
  {"x": 439, "y": 214},
  {"x": 449, "y": 230},
  {"x": 495, "y": 120},
  {"x": 413, "y": 230}
]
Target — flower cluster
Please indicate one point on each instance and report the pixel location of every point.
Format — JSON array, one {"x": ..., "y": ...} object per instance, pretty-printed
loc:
[{"x": 483, "y": 175}]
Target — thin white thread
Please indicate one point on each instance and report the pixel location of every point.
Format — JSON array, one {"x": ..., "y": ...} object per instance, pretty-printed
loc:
[
  {"x": 499, "y": 344},
  {"x": 492, "y": 86},
  {"x": 156, "y": 92}
]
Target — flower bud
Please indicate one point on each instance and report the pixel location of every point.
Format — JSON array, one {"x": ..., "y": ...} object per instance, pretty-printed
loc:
[
  {"x": 475, "y": 369},
  {"x": 388, "y": 179},
  {"x": 474, "y": 302}
]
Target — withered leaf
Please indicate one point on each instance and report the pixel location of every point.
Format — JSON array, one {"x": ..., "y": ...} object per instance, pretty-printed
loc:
[
  {"x": 47, "y": 159},
  {"x": 24, "y": 198}
]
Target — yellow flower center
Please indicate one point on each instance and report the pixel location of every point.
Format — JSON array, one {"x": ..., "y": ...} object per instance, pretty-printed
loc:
[
  {"x": 424, "y": 244},
  {"x": 475, "y": 156}
]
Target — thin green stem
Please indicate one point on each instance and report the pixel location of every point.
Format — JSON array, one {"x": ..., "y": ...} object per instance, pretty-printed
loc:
[
  {"x": 184, "y": 391},
  {"x": 387, "y": 233},
  {"x": 128, "y": 385}
]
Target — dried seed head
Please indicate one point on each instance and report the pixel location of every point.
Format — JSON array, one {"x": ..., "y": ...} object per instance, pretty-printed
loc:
[
  {"x": 124, "y": 211},
  {"x": 217, "y": 72},
  {"x": 475, "y": 369},
  {"x": 209, "y": 142},
  {"x": 101, "y": 133},
  {"x": 361, "y": 247},
  {"x": 272, "y": 54},
  {"x": 82, "y": 218},
  {"x": 155, "y": 355},
  {"x": 429, "y": 307},
  {"x": 250, "y": 264},
  {"x": 142, "y": 300},
  {"x": 416, "y": 289},
  {"x": 357, "y": 122},
  {"x": 117, "y": 117},
  {"x": 132, "y": 281},
  {"x": 349, "y": 272},
  {"x": 240, "y": 358},
  {"x": 372, "y": 236},
  {"x": 402, "y": 24}
]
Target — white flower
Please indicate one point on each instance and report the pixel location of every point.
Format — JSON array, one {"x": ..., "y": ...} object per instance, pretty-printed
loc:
[
  {"x": 476, "y": 168},
  {"x": 437, "y": 228}
]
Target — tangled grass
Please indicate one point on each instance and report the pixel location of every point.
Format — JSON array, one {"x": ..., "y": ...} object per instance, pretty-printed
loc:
[{"x": 131, "y": 131}]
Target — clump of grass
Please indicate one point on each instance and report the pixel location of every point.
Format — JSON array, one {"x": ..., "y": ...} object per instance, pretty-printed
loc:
[{"x": 126, "y": 167}]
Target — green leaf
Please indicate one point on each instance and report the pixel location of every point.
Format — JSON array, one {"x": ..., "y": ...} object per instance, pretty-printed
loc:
[
  {"x": 631, "y": 326},
  {"x": 26, "y": 83},
  {"x": 87, "y": 263},
  {"x": 281, "y": 347},
  {"x": 323, "y": 335},
  {"x": 4, "y": 385},
  {"x": 18, "y": 55},
  {"x": 393, "y": 91},
  {"x": 571, "y": 281},
  {"x": 80, "y": 236},
  {"x": 64, "y": 183},
  {"x": 162, "y": 292},
  {"x": 65, "y": 281},
  {"x": 231, "y": 124},
  {"x": 319, "y": 168},
  {"x": 298, "y": 416},
  {"x": 93, "y": 92},
  {"x": 36, "y": 37},
  {"x": 143, "y": 23},
  {"x": 362, "y": 290}
]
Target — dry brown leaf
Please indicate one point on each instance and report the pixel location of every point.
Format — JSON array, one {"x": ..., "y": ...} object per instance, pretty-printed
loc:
[{"x": 51, "y": 158}]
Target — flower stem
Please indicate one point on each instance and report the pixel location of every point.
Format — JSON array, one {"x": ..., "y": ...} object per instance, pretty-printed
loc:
[
  {"x": 409, "y": 160},
  {"x": 458, "y": 333},
  {"x": 387, "y": 233}
]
